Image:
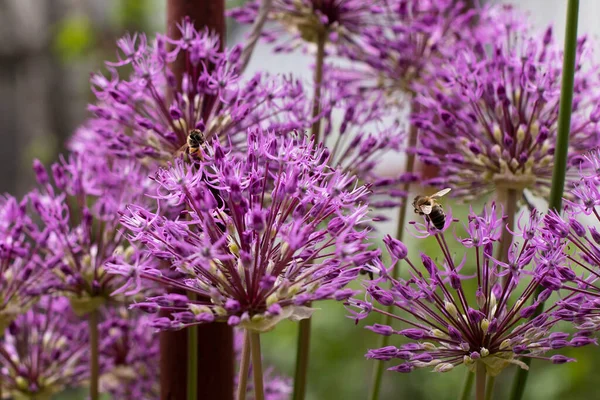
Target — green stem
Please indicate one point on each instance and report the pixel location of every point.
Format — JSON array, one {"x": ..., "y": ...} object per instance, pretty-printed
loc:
[
  {"x": 242, "y": 388},
  {"x": 489, "y": 391},
  {"x": 302, "y": 353},
  {"x": 93, "y": 319},
  {"x": 192, "y": 362},
  {"x": 480, "y": 377},
  {"x": 409, "y": 167},
  {"x": 257, "y": 371},
  {"x": 316, "y": 106},
  {"x": 560, "y": 152},
  {"x": 465, "y": 393}
]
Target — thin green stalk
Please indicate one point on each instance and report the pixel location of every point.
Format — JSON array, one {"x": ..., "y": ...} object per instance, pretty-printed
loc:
[
  {"x": 302, "y": 352},
  {"x": 409, "y": 167},
  {"x": 318, "y": 80},
  {"x": 560, "y": 153},
  {"x": 242, "y": 388},
  {"x": 192, "y": 363},
  {"x": 93, "y": 319},
  {"x": 489, "y": 390},
  {"x": 465, "y": 393},
  {"x": 480, "y": 377},
  {"x": 257, "y": 372}
]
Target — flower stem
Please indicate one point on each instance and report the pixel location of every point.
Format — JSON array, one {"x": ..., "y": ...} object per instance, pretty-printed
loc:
[
  {"x": 409, "y": 168},
  {"x": 244, "y": 364},
  {"x": 509, "y": 201},
  {"x": 302, "y": 353},
  {"x": 560, "y": 152},
  {"x": 257, "y": 27},
  {"x": 489, "y": 391},
  {"x": 316, "y": 106},
  {"x": 480, "y": 377},
  {"x": 257, "y": 372},
  {"x": 94, "y": 357},
  {"x": 192, "y": 363},
  {"x": 465, "y": 393}
]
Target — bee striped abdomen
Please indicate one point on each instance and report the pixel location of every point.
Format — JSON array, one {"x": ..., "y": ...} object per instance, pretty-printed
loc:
[{"x": 437, "y": 217}]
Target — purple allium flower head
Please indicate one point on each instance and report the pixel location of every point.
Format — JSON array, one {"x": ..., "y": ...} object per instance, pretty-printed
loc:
[
  {"x": 276, "y": 387},
  {"x": 488, "y": 118},
  {"x": 576, "y": 232},
  {"x": 24, "y": 266},
  {"x": 135, "y": 116},
  {"x": 79, "y": 216},
  {"x": 44, "y": 350},
  {"x": 132, "y": 351},
  {"x": 337, "y": 20},
  {"x": 359, "y": 143},
  {"x": 265, "y": 233},
  {"x": 459, "y": 319},
  {"x": 411, "y": 38}
]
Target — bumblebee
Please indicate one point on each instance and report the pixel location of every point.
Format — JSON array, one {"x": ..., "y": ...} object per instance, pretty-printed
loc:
[{"x": 428, "y": 206}]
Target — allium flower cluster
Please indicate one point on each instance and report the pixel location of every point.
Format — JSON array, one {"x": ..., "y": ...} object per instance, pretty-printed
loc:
[
  {"x": 136, "y": 116},
  {"x": 132, "y": 351},
  {"x": 44, "y": 350},
  {"x": 358, "y": 135},
  {"x": 412, "y": 38},
  {"x": 24, "y": 269},
  {"x": 449, "y": 324},
  {"x": 337, "y": 21},
  {"x": 263, "y": 235},
  {"x": 578, "y": 229},
  {"x": 489, "y": 118},
  {"x": 79, "y": 216}
]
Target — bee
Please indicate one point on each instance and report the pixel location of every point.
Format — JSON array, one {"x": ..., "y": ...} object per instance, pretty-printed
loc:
[
  {"x": 194, "y": 143},
  {"x": 427, "y": 206}
]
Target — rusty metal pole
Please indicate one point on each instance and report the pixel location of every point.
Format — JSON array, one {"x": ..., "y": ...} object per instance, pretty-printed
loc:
[{"x": 215, "y": 341}]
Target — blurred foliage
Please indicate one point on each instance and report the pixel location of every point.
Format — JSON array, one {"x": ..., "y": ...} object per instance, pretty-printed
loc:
[{"x": 74, "y": 36}]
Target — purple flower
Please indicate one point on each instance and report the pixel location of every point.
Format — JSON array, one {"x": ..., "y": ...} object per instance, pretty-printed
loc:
[
  {"x": 411, "y": 38},
  {"x": 132, "y": 351},
  {"x": 44, "y": 351},
  {"x": 24, "y": 264},
  {"x": 480, "y": 319},
  {"x": 337, "y": 20},
  {"x": 135, "y": 116},
  {"x": 79, "y": 216},
  {"x": 575, "y": 236},
  {"x": 488, "y": 116},
  {"x": 235, "y": 267}
]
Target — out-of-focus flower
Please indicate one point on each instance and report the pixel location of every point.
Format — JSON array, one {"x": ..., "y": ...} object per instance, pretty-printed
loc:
[
  {"x": 265, "y": 233},
  {"x": 79, "y": 217},
  {"x": 358, "y": 135},
  {"x": 276, "y": 387},
  {"x": 131, "y": 349},
  {"x": 412, "y": 38},
  {"x": 44, "y": 351},
  {"x": 24, "y": 269},
  {"x": 338, "y": 21},
  {"x": 489, "y": 118},
  {"x": 452, "y": 318},
  {"x": 136, "y": 117}
]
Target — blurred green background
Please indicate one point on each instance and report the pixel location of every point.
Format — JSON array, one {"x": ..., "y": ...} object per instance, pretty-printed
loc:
[{"x": 71, "y": 40}]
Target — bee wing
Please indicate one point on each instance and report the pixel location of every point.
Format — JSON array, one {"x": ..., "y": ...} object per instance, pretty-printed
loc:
[
  {"x": 426, "y": 209},
  {"x": 441, "y": 193}
]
